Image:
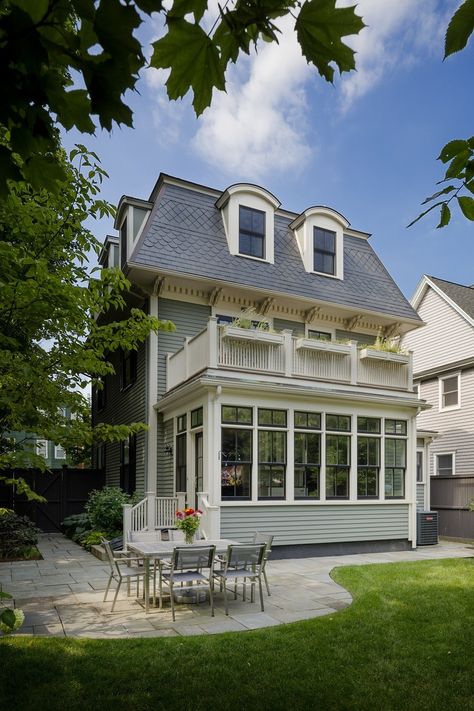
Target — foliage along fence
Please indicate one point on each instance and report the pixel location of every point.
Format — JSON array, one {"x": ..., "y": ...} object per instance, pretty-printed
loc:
[
  {"x": 450, "y": 496},
  {"x": 65, "y": 490}
]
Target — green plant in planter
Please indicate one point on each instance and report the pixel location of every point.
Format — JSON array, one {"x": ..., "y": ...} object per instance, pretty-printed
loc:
[
  {"x": 250, "y": 319},
  {"x": 387, "y": 345}
]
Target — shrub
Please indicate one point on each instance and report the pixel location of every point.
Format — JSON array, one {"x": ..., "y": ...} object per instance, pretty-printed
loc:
[
  {"x": 104, "y": 508},
  {"x": 76, "y": 525},
  {"x": 17, "y": 533}
]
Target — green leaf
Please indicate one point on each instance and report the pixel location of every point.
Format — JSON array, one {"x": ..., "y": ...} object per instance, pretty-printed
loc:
[
  {"x": 466, "y": 204},
  {"x": 422, "y": 214},
  {"x": 445, "y": 191},
  {"x": 458, "y": 165},
  {"x": 451, "y": 149},
  {"x": 180, "y": 8},
  {"x": 320, "y": 27},
  {"x": 8, "y": 618},
  {"x": 75, "y": 111},
  {"x": 193, "y": 60},
  {"x": 445, "y": 216},
  {"x": 460, "y": 28}
]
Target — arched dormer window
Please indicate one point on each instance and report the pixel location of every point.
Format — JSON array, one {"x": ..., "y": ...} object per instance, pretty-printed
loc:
[
  {"x": 248, "y": 216},
  {"x": 319, "y": 233}
]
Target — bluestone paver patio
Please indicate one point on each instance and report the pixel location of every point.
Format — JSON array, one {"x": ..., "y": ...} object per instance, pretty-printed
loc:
[{"x": 62, "y": 595}]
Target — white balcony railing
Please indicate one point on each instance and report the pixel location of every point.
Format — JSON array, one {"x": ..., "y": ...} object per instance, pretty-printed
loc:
[{"x": 230, "y": 348}]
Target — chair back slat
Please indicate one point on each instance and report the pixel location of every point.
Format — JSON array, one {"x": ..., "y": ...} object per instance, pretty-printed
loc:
[
  {"x": 245, "y": 557},
  {"x": 264, "y": 538},
  {"x": 193, "y": 557},
  {"x": 110, "y": 556}
]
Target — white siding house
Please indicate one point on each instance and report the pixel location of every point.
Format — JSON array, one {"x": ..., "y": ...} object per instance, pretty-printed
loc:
[{"x": 267, "y": 407}]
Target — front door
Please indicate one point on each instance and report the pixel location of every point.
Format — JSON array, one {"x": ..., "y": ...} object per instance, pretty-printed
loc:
[{"x": 198, "y": 466}]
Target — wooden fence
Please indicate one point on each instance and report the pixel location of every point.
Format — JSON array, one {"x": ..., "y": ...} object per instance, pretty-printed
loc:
[
  {"x": 65, "y": 490},
  {"x": 450, "y": 496}
]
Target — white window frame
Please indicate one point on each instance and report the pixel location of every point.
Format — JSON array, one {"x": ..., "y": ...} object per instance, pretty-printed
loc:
[
  {"x": 255, "y": 198},
  {"x": 303, "y": 229},
  {"x": 420, "y": 450},
  {"x": 234, "y": 313},
  {"x": 444, "y": 454},
  {"x": 316, "y": 327},
  {"x": 58, "y": 447},
  {"x": 43, "y": 445},
  {"x": 441, "y": 380}
]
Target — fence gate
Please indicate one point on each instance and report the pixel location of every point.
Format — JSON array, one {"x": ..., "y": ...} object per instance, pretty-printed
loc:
[
  {"x": 450, "y": 496},
  {"x": 65, "y": 490}
]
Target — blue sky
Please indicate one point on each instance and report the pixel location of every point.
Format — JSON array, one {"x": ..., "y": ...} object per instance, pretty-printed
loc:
[{"x": 366, "y": 146}]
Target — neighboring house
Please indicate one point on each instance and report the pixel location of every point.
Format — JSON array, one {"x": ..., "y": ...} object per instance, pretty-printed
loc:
[
  {"x": 289, "y": 425},
  {"x": 444, "y": 373},
  {"x": 53, "y": 454}
]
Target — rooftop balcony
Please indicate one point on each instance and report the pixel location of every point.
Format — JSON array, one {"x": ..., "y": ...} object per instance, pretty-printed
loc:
[{"x": 228, "y": 348}]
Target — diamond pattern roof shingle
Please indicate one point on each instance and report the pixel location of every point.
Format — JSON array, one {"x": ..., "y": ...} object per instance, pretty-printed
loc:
[
  {"x": 463, "y": 296},
  {"x": 186, "y": 235}
]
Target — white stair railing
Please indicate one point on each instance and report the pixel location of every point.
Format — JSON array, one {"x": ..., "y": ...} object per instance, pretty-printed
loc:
[
  {"x": 139, "y": 516},
  {"x": 166, "y": 507}
]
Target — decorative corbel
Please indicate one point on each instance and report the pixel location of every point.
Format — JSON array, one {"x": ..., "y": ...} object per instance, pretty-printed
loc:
[
  {"x": 215, "y": 295},
  {"x": 391, "y": 330},
  {"x": 158, "y": 285},
  {"x": 312, "y": 314},
  {"x": 266, "y": 305},
  {"x": 351, "y": 323}
]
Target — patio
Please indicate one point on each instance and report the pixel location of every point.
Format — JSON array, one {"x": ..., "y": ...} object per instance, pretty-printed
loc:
[{"x": 62, "y": 594}]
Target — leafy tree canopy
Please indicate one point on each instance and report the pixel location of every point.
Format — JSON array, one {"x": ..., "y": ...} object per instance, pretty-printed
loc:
[
  {"x": 46, "y": 44},
  {"x": 51, "y": 343}
]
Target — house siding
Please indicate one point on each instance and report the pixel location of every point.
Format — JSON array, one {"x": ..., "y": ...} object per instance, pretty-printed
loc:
[
  {"x": 455, "y": 427},
  {"x": 165, "y": 479},
  {"x": 189, "y": 320},
  {"x": 293, "y": 525},
  {"x": 124, "y": 408},
  {"x": 447, "y": 337}
]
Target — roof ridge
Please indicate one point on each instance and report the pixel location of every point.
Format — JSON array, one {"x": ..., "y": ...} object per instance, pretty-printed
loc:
[{"x": 448, "y": 281}]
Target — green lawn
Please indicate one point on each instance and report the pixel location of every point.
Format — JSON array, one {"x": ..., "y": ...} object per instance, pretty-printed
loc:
[{"x": 407, "y": 642}]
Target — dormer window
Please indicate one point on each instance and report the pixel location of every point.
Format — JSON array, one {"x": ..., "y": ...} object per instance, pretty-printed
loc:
[
  {"x": 324, "y": 250},
  {"x": 319, "y": 233},
  {"x": 248, "y": 217},
  {"x": 251, "y": 232}
]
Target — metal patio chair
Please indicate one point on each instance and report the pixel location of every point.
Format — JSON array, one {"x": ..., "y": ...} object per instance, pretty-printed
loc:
[
  {"x": 147, "y": 537},
  {"x": 191, "y": 565},
  {"x": 120, "y": 570},
  {"x": 242, "y": 563},
  {"x": 268, "y": 540}
]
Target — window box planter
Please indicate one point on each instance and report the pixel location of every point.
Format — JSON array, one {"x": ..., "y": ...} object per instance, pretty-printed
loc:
[
  {"x": 374, "y": 354},
  {"x": 312, "y": 344},
  {"x": 252, "y": 334}
]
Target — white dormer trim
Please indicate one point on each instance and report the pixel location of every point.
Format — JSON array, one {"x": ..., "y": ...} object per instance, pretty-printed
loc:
[
  {"x": 126, "y": 211},
  {"x": 256, "y": 198},
  {"x": 328, "y": 219}
]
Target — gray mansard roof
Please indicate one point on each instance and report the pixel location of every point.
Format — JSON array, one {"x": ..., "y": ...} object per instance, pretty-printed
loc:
[{"x": 185, "y": 234}]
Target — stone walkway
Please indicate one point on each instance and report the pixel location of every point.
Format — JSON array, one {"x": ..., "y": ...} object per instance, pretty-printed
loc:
[{"x": 62, "y": 594}]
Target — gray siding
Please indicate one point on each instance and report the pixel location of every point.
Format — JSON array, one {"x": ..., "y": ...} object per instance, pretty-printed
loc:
[
  {"x": 455, "y": 427},
  {"x": 316, "y": 524},
  {"x": 189, "y": 320},
  {"x": 446, "y": 338},
  {"x": 365, "y": 338},
  {"x": 420, "y": 496},
  {"x": 124, "y": 408},
  {"x": 165, "y": 479}
]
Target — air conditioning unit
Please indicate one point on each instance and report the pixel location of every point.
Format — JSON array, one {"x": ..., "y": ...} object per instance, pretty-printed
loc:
[{"x": 426, "y": 528}]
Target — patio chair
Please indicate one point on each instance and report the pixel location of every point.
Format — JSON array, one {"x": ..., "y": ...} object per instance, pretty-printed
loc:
[
  {"x": 268, "y": 540},
  {"x": 120, "y": 570},
  {"x": 189, "y": 565},
  {"x": 242, "y": 563},
  {"x": 146, "y": 537}
]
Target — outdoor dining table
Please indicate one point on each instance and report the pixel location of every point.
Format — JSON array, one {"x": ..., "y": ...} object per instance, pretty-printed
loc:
[{"x": 164, "y": 550}]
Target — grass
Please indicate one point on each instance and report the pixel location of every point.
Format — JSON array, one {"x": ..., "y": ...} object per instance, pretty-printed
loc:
[{"x": 407, "y": 642}]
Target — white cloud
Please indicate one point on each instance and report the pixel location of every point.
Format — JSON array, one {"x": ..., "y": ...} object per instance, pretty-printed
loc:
[
  {"x": 398, "y": 33},
  {"x": 258, "y": 126}
]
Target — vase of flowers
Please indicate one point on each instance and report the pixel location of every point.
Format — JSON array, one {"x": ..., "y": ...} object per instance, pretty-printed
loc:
[{"x": 188, "y": 521}]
